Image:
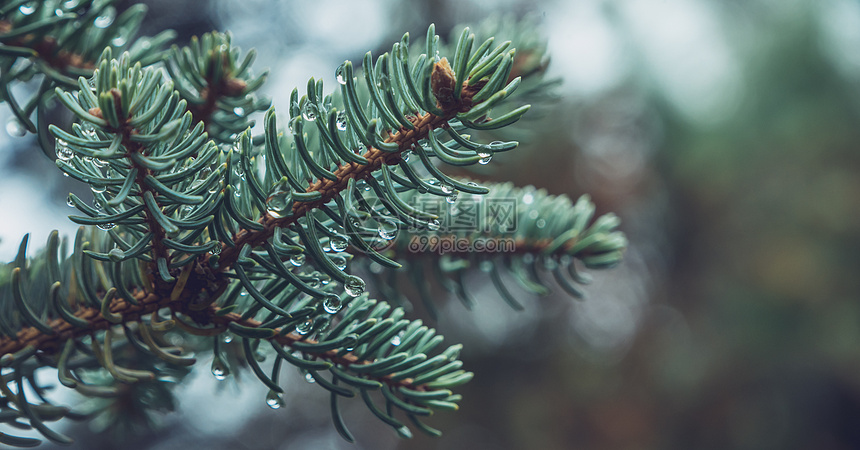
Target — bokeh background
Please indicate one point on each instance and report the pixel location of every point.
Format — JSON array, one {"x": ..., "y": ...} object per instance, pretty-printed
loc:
[{"x": 723, "y": 132}]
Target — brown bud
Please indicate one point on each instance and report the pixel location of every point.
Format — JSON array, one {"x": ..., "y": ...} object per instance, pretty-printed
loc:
[
  {"x": 234, "y": 87},
  {"x": 442, "y": 82}
]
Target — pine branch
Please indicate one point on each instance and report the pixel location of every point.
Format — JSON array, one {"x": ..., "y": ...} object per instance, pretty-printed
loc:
[
  {"x": 404, "y": 138},
  {"x": 235, "y": 235}
]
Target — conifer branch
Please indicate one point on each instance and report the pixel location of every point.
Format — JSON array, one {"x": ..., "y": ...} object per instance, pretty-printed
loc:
[{"x": 233, "y": 235}]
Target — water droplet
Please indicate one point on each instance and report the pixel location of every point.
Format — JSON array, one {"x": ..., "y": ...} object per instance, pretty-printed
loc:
[
  {"x": 383, "y": 83},
  {"x": 116, "y": 254},
  {"x": 533, "y": 214},
  {"x": 528, "y": 198},
  {"x": 387, "y": 230},
  {"x": 244, "y": 293},
  {"x": 397, "y": 339},
  {"x": 69, "y": 201},
  {"x": 106, "y": 19},
  {"x": 298, "y": 260},
  {"x": 549, "y": 263},
  {"x": 341, "y": 121},
  {"x": 227, "y": 338},
  {"x": 63, "y": 151},
  {"x": 452, "y": 198},
  {"x": 314, "y": 283},
  {"x": 216, "y": 250},
  {"x": 97, "y": 204},
  {"x": 309, "y": 112},
  {"x": 332, "y": 304},
  {"x": 433, "y": 225},
  {"x": 106, "y": 226},
  {"x": 186, "y": 211},
  {"x": 339, "y": 262},
  {"x": 540, "y": 223},
  {"x": 354, "y": 286},
  {"x": 339, "y": 75},
  {"x": 446, "y": 188},
  {"x": 69, "y": 4},
  {"x": 486, "y": 154},
  {"x": 279, "y": 203},
  {"x": 27, "y": 8},
  {"x": 310, "y": 378},
  {"x": 274, "y": 400},
  {"x": 486, "y": 266},
  {"x": 219, "y": 369},
  {"x": 118, "y": 41},
  {"x": 15, "y": 128},
  {"x": 239, "y": 111},
  {"x": 376, "y": 268},
  {"x": 338, "y": 243},
  {"x": 98, "y": 188},
  {"x": 305, "y": 327},
  {"x": 291, "y": 126}
]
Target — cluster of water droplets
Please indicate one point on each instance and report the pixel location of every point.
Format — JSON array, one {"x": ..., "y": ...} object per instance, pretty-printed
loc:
[{"x": 64, "y": 152}]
